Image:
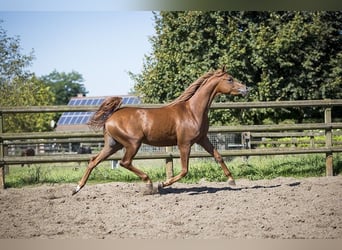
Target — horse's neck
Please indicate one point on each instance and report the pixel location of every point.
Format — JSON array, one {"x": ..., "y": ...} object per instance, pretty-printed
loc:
[{"x": 200, "y": 102}]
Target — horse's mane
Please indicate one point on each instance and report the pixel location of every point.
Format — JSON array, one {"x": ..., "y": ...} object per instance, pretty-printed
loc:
[
  {"x": 112, "y": 104},
  {"x": 195, "y": 86}
]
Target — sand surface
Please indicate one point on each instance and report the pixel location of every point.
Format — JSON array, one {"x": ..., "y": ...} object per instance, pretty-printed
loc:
[{"x": 278, "y": 208}]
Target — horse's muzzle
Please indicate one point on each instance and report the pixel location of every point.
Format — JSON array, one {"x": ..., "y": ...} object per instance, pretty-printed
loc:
[{"x": 244, "y": 91}]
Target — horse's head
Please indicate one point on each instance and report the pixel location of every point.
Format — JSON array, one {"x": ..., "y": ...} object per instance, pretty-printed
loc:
[{"x": 228, "y": 85}]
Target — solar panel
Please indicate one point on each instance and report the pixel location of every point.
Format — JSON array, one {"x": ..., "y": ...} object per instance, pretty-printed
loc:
[{"x": 81, "y": 118}]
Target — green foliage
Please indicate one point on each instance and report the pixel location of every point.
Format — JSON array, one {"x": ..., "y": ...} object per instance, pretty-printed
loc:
[
  {"x": 284, "y": 55},
  {"x": 13, "y": 63},
  {"x": 64, "y": 85},
  {"x": 304, "y": 141},
  {"x": 18, "y": 87},
  {"x": 286, "y": 166},
  {"x": 26, "y": 92},
  {"x": 255, "y": 168}
]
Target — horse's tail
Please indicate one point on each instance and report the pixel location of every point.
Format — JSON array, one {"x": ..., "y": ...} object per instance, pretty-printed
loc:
[{"x": 108, "y": 107}]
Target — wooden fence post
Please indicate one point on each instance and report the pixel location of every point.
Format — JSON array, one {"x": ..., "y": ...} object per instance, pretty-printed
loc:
[
  {"x": 169, "y": 164},
  {"x": 328, "y": 143},
  {"x": 2, "y": 154}
]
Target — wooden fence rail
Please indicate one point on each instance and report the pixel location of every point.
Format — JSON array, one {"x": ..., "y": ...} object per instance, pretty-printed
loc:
[{"x": 328, "y": 127}]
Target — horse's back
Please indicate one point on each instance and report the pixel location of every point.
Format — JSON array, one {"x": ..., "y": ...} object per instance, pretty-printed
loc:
[{"x": 154, "y": 126}]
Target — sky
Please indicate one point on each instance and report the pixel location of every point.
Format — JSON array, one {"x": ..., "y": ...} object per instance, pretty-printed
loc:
[{"x": 103, "y": 46}]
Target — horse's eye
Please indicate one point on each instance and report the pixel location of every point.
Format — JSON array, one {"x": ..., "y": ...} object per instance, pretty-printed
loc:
[{"x": 230, "y": 79}]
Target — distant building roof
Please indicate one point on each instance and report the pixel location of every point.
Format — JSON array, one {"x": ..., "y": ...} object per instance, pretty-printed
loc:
[{"x": 77, "y": 121}]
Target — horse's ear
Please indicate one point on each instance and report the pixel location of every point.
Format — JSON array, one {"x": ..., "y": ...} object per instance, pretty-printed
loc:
[{"x": 224, "y": 68}]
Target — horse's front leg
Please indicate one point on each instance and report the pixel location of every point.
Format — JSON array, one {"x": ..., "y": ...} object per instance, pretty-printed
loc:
[
  {"x": 184, "y": 156},
  {"x": 208, "y": 146}
]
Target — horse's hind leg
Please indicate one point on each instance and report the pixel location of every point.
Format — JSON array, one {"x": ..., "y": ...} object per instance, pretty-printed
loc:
[
  {"x": 110, "y": 147},
  {"x": 126, "y": 162},
  {"x": 206, "y": 144}
]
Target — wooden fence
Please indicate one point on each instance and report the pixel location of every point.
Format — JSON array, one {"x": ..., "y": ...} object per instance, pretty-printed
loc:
[{"x": 326, "y": 128}]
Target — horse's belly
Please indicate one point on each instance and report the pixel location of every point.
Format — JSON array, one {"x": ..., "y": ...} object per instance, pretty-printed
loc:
[{"x": 162, "y": 140}]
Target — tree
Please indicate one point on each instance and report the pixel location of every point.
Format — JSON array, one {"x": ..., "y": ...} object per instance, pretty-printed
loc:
[
  {"x": 185, "y": 47},
  {"x": 28, "y": 92},
  {"x": 13, "y": 63},
  {"x": 64, "y": 85},
  {"x": 19, "y": 87},
  {"x": 294, "y": 56},
  {"x": 282, "y": 55}
]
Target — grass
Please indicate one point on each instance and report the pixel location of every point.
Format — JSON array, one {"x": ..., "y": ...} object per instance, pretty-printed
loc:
[{"x": 254, "y": 168}]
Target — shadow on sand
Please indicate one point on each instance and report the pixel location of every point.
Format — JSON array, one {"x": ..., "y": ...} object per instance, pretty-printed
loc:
[{"x": 206, "y": 189}]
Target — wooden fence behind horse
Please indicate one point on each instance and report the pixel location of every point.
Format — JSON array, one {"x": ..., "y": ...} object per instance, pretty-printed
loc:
[{"x": 326, "y": 128}]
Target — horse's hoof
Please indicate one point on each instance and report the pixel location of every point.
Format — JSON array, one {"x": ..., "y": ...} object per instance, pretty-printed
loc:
[
  {"x": 76, "y": 190},
  {"x": 149, "y": 189},
  {"x": 160, "y": 186},
  {"x": 231, "y": 182}
]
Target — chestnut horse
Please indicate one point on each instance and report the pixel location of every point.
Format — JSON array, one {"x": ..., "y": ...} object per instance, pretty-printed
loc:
[{"x": 182, "y": 122}]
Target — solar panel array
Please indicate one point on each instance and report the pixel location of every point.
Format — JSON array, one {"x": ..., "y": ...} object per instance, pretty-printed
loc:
[{"x": 80, "y": 118}]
